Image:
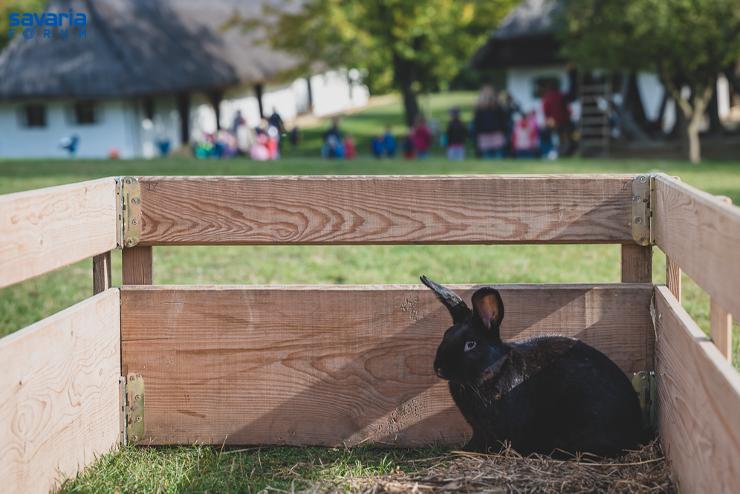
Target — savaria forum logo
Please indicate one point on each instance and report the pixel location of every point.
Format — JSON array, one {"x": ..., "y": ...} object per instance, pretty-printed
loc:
[{"x": 48, "y": 25}]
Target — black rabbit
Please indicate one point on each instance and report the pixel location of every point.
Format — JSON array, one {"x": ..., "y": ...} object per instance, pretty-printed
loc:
[{"x": 549, "y": 395}]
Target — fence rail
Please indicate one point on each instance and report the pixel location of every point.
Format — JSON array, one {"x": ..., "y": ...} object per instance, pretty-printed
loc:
[
  {"x": 59, "y": 404},
  {"x": 336, "y": 365},
  {"x": 699, "y": 397},
  {"x": 386, "y": 210},
  {"x": 46, "y": 229}
]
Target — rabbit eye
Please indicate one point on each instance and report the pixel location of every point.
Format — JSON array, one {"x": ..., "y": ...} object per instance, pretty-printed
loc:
[{"x": 469, "y": 345}]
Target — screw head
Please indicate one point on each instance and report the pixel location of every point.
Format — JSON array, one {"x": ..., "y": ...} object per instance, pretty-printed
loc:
[{"x": 638, "y": 220}]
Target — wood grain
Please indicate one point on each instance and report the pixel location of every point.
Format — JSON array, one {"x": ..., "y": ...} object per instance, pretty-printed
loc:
[
  {"x": 102, "y": 279},
  {"x": 386, "y": 209},
  {"x": 702, "y": 235},
  {"x": 137, "y": 265},
  {"x": 637, "y": 263},
  {"x": 331, "y": 365},
  {"x": 699, "y": 400},
  {"x": 673, "y": 278},
  {"x": 59, "y": 404},
  {"x": 721, "y": 327},
  {"x": 46, "y": 229}
]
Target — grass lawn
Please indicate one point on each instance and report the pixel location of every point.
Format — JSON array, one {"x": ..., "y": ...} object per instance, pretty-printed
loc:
[{"x": 201, "y": 468}]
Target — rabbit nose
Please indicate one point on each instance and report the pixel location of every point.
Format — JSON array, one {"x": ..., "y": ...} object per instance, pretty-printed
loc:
[{"x": 438, "y": 371}]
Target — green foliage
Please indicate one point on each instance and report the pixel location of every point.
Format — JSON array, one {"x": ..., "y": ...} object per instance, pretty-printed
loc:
[
  {"x": 409, "y": 45},
  {"x": 687, "y": 42},
  {"x": 8, "y": 6},
  {"x": 437, "y": 36}
]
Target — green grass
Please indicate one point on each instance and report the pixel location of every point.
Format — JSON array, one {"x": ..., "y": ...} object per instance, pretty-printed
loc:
[
  {"x": 198, "y": 469},
  {"x": 206, "y": 469}
]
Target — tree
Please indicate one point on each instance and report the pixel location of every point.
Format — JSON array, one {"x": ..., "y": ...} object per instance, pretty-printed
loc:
[
  {"x": 8, "y": 6},
  {"x": 686, "y": 42},
  {"x": 407, "y": 45}
]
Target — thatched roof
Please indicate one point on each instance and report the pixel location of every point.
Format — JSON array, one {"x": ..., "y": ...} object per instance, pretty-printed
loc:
[
  {"x": 530, "y": 18},
  {"x": 525, "y": 37},
  {"x": 141, "y": 47}
]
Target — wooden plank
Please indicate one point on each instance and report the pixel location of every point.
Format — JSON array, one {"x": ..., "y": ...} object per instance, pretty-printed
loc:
[
  {"x": 699, "y": 400},
  {"x": 137, "y": 265},
  {"x": 637, "y": 264},
  {"x": 702, "y": 235},
  {"x": 673, "y": 278},
  {"x": 45, "y": 229},
  {"x": 721, "y": 327},
  {"x": 338, "y": 364},
  {"x": 59, "y": 406},
  {"x": 101, "y": 272},
  {"x": 447, "y": 209}
]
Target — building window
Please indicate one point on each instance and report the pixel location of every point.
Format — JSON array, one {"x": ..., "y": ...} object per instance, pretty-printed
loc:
[
  {"x": 85, "y": 113},
  {"x": 148, "y": 104},
  {"x": 33, "y": 115}
]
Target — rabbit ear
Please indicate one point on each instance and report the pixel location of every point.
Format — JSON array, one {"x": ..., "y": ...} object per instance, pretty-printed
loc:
[
  {"x": 457, "y": 307},
  {"x": 488, "y": 308}
]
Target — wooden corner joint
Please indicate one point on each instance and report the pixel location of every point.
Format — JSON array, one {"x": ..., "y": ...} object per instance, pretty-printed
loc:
[
  {"x": 128, "y": 211},
  {"x": 643, "y": 213}
]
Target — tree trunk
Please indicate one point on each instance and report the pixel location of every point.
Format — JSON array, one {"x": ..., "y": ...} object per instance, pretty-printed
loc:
[
  {"x": 692, "y": 131},
  {"x": 693, "y": 110},
  {"x": 410, "y": 104},
  {"x": 404, "y": 75}
]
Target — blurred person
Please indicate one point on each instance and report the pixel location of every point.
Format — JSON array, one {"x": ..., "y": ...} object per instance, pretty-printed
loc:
[
  {"x": 350, "y": 152},
  {"x": 456, "y": 135},
  {"x": 510, "y": 109},
  {"x": 557, "y": 115},
  {"x": 259, "y": 150},
  {"x": 421, "y": 137},
  {"x": 489, "y": 123},
  {"x": 408, "y": 147},
  {"x": 273, "y": 142},
  {"x": 276, "y": 121},
  {"x": 376, "y": 147},
  {"x": 333, "y": 141},
  {"x": 389, "y": 142},
  {"x": 525, "y": 136},
  {"x": 294, "y": 136}
]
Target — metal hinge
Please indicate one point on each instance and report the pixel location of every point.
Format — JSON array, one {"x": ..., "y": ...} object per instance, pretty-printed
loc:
[
  {"x": 643, "y": 202},
  {"x": 645, "y": 386},
  {"x": 132, "y": 409},
  {"x": 128, "y": 201}
]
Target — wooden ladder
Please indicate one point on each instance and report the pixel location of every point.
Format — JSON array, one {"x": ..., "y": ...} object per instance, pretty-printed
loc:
[{"x": 594, "y": 123}]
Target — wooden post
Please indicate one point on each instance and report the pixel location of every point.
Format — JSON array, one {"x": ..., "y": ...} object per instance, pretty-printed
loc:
[
  {"x": 721, "y": 323},
  {"x": 137, "y": 266},
  {"x": 673, "y": 278},
  {"x": 637, "y": 263},
  {"x": 101, "y": 273}
]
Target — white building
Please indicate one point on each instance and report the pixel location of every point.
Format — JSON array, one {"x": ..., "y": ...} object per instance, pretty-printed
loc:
[
  {"x": 148, "y": 72},
  {"x": 525, "y": 45}
]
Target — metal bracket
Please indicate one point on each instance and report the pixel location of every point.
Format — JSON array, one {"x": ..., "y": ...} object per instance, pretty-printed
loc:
[
  {"x": 645, "y": 386},
  {"x": 128, "y": 195},
  {"x": 132, "y": 409},
  {"x": 643, "y": 200}
]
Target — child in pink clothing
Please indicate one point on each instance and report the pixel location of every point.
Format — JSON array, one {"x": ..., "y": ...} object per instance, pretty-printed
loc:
[{"x": 525, "y": 136}]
